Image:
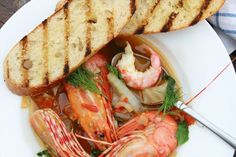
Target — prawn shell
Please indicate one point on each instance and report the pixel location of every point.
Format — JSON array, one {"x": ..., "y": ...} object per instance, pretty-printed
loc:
[
  {"x": 41, "y": 129},
  {"x": 90, "y": 108},
  {"x": 155, "y": 135},
  {"x": 53, "y": 133}
]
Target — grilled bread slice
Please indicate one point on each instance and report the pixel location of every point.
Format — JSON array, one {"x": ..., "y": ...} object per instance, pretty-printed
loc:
[
  {"x": 62, "y": 42},
  {"x": 169, "y": 15}
]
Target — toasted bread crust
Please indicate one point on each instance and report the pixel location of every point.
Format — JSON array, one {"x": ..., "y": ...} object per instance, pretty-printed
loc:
[{"x": 60, "y": 4}]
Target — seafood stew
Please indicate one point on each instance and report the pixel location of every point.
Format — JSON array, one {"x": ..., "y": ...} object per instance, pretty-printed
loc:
[{"x": 120, "y": 102}]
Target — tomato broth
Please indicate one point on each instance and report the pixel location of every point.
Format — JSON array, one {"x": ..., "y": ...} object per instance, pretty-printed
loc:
[{"x": 139, "y": 45}]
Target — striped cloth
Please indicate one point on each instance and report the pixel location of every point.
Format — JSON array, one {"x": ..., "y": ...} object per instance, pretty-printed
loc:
[{"x": 225, "y": 21}]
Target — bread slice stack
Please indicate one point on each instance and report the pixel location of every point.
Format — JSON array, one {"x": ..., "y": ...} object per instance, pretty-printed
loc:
[
  {"x": 62, "y": 42},
  {"x": 154, "y": 16},
  {"x": 79, "y": 28}
]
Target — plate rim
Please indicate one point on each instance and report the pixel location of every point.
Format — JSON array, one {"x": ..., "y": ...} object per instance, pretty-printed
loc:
[{"x": 29, "y": 3}]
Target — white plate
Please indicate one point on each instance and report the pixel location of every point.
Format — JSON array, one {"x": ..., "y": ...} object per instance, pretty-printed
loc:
[{"x": 196, "y": 54}]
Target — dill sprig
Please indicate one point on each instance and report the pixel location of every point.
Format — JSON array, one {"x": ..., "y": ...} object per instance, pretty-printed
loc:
[
  {"x": 171, "y": 97},
  {"x": 95, "y": 153},
  {"x": 84, "y": 78},
  {"x": 114, "y": 70},
  {"x": 44, "y": 153}
]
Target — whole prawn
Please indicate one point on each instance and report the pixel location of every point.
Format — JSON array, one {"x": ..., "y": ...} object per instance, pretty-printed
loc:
[
  {"x": 148, "y": 134},
  {"x": 94, "y": 111},
  {"x": 53, "y": 133}
]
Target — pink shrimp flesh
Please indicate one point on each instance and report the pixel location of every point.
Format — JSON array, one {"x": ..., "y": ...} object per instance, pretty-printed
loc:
[{"x": 137, "y": 79}]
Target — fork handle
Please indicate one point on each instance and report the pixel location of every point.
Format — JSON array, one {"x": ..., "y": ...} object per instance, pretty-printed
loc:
[{"x": 223, "y": 135}]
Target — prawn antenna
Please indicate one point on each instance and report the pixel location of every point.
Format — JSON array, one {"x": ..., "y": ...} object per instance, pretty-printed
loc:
[
  {"x": 92, "y": 140},
  {"x": 210, "y": 83}
]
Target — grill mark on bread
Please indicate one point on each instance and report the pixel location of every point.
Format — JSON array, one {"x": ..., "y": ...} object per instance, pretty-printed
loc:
[
  {"x": 181, "y": 3},
  {"x": 141, "y": 29},
  {"x": 153, "y": 8},
  {"x": 169, "y": 23},
  {"x": 88, "y": 48},
  {"x": 92, "y": 21},
  {"x": 203, "y": 8},
  {"x": 88, "y": 32},
  {"x": 66, "y": 68},
  {"x": 66, "y": 36},
  {"x": 45, "y": 51},
  {"x": 110, "y": 21},
  {"x": 7, "y": 69},
  {"x": 132, "y": 6},
  {"x": 24, "y": 43}
]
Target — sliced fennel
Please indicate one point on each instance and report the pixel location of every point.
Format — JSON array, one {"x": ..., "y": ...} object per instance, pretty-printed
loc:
[{"x": 123, "y": 91}]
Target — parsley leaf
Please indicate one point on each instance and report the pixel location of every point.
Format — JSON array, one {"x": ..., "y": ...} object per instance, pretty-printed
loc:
[
  {"x": 44, "y": 153},
  {"x": 84, "y": 78},
  {"x": 171, "y": 97},
  {"x": 95, "y": 153},
  {"x": 182, "y": 134},
  {"x": 114, "y": 70}
]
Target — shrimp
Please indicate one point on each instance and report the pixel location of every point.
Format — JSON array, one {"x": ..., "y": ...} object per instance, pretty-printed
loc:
[
  {"x": 137, "y": 79},
  {"x": 149, "y": 134},
  {"x": 52, "y": 131},
  {"x": 94, "y": 111}
]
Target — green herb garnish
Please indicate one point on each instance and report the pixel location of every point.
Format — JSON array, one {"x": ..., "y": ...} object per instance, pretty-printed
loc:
[
  {"x": 44, "y": 153},
  {"x": 182, "y": 134},
  {"x": 95, "y": 153},
  {"x": 171, "y": 97},
  {"x": 114, "y": 70},
  {"x": 84, "y": 78}
]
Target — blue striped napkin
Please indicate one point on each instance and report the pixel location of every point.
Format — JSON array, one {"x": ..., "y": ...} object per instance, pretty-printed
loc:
[{"x": 225, "y": 21}]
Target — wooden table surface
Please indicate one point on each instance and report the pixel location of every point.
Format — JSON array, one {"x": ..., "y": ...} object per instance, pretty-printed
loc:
[{"x": 9, "y": 7}]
